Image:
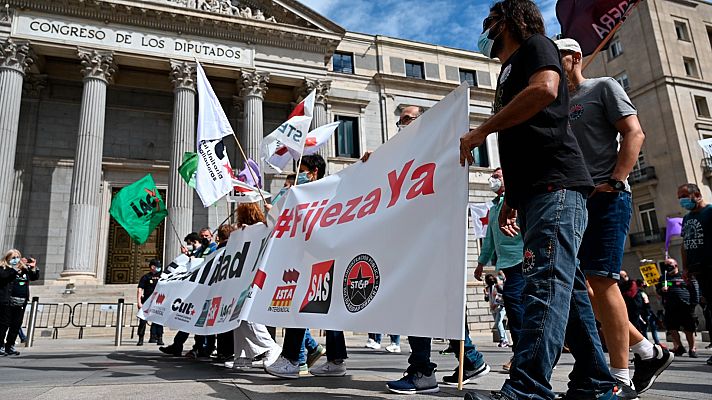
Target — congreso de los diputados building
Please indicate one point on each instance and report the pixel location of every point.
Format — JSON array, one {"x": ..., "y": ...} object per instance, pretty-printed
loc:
[{"x": 97, "y": 93}]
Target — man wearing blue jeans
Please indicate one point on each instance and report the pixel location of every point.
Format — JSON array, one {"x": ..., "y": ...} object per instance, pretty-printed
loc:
[{"x": 547, "y": 186}]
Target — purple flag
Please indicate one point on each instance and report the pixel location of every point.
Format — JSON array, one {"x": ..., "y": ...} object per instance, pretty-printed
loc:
[
  {"x": 590, "y": 21},
  {"x": 246, "y": 176},
  {"x": 674, "y": 228}
]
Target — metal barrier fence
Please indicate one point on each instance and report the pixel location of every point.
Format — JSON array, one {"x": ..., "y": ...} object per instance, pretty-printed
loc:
[{"x": 56, "y": 316}]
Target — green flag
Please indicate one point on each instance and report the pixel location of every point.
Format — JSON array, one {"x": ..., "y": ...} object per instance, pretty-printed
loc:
[
  {"x": 139, "y": 208},
  {"x": 188, "y": 167}
]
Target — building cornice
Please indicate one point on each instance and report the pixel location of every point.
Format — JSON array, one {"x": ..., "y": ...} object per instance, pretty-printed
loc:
[
  {"x": 395, "y": 81},
  {"x": 190, "y": 22}
]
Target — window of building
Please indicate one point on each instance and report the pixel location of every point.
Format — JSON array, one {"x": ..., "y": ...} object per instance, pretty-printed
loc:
[
  {"x": 623, "y": 80},
  {"x": 681, "y": 30},
  {"x": 690, "y": 66},
  {"x": 480, "y": 156},
  {"x": 414, "y": 69},
  {"x": 615, "y": 49},
  {"x": 701, "y": 106},
  {"x": 343, "y": 62},
  {"x": 649, "y": 219},
  {"x": 469, "y": 77},
  {"x": 709, "y": 35},
  {"x": 347, "y": 139}
]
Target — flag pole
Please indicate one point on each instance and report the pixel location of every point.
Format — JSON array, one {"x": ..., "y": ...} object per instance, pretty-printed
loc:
[
  {"x": 460, "y": 368},
  {"x": 170, "y": 221},
  {"x": 296, "y": 180},
  {"x": 608, "y": 37},
  {"x": 252, "y": 173}
]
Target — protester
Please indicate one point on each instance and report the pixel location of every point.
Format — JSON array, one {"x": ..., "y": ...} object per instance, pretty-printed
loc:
[
  {"x": 206, "y": 242},
  {"x": 15, "y": 277},
  {"x": 493, "y": 295},
  {"x": 647, "y": 314},
  {"x": 250, "y": 339},
  {"x": 680, "y": 297},
  {"x": 192, "y": 245},
  {"x": 697, "y": 239},
  {"x": 548, "y": 195},
  {"x": 287, "y": 366},
  {"x": 146, "y": 286},
  {"x": 633, "y": 298},
  {"x": 374, "y": 342},
  {"x": 420, "y": 375},
  {"x": 600, "y": 111},
  {"x": 509, "y": 251}
]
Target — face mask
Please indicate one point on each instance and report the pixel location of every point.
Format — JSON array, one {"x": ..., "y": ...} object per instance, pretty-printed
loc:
[
  {"x": 14, "y": 261},
  {"x": 688, "y": 204},
  {"x": 302, "y": 178},
  {"x": 495, "y": 184},
  {"x": 485, "y": 44},
  {"x": 190, "y": 247},
  {"x": 158, "y": 270}
]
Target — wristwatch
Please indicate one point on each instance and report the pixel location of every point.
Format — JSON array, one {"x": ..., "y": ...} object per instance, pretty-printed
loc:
[{"x": 616, "y": 184}]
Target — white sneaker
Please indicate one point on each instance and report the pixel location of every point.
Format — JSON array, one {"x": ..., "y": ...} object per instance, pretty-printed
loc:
[
  {"x": 272, "y": 355},
  {"x": 229, "y": 364},
  {"x": 329, "y": 368},
  {"x": 393, "y": 348},
  {"x": 372, "y": 344},
  {"x": 283, "y": 368}
]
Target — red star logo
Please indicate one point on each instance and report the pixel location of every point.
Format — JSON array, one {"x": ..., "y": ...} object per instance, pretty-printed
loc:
[{"x": 485, "y": 220}]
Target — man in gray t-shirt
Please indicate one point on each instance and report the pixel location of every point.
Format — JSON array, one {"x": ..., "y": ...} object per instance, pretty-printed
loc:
[{"x": 600, "y": 110}]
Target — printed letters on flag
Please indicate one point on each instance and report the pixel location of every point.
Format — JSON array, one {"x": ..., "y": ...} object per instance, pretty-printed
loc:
[
  {"x": 139, "y": 208},
  {"x": 244, "y": 193},
  {"x": 282, "y": 156},
  {"x": 590, "y": 21},
  {"x": 291, "y": 134},
  {"x": 214, "y": 177}
]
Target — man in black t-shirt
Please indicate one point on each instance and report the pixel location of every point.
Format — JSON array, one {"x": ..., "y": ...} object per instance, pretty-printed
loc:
[
  {"x": 697, "y": 239},
  {"x": 680, "y": 297},
  {"x": 547, "y": 185},
  {"x": 146, "y": 286}
]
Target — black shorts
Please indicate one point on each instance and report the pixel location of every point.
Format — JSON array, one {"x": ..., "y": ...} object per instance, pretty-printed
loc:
[{"x": 680, "y": 318}]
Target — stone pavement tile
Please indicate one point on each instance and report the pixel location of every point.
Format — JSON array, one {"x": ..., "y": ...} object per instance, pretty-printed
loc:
[{"x": 167, "y": 390}]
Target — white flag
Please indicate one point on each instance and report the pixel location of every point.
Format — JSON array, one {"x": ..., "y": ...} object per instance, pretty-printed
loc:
[
  {"x": 245, "y": 193},
  {"x": 291, "y": 134},
  {"x": 706, "y": 145},
  {"x": 212, "y": 122},
  {"x": 213, "y": 180},
  {"x": 282, "y": 155},
  {"x": 479, "y": 213}
]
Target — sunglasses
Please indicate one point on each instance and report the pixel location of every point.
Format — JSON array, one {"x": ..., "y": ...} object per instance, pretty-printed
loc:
[
  {"x": 404, "y": 120},
  {"x": 489, "y": 21}
]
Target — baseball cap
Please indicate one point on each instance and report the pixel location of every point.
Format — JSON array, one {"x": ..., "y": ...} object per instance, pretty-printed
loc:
[{"x": 568, "y": 45}]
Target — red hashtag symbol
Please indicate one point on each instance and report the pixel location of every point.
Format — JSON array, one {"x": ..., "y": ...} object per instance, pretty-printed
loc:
[{"x": 283, "y": 223}]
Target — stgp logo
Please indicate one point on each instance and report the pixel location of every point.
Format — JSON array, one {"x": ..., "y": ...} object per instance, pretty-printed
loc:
[
  {"x": 283, "y": 295},
  {"x": 361, "y": 283},
  {"x": 318, "y": 297}
]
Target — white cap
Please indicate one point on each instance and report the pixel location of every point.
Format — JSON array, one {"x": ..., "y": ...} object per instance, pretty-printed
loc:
[{"x": 568, "y": 45}]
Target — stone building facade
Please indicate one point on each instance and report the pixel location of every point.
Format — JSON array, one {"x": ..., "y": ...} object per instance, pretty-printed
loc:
[
  {"x": 95, "y": 94},
  {"x": 662, "y": 56}
]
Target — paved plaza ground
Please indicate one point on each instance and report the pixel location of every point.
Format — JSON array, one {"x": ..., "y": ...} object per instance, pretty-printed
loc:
[{"x": 95, "y": 369}]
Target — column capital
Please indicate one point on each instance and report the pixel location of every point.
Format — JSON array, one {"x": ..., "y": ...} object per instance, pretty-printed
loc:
[
  {"x": 33, "y": 84},
  {"x": 322, "y": 87},
  {"x": 97, "y": 64},
  {"x": 16, "y": 55},
  {"x": 254, "y": 83},
  {"x": 183, "y": 75}
]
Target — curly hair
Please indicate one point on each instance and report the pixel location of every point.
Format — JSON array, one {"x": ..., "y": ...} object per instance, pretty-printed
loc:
[
  {"x": 522, "y": 17},
  {"x": 249, "y": 214}
]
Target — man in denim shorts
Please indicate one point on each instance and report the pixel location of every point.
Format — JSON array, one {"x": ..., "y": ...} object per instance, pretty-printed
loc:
[{"x": 599, "y": 109}]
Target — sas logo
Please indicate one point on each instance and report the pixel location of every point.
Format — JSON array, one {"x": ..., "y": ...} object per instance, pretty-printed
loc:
[
  {"x": 185, "y": 311},
  {"x": 283, "y": 295},
  {"x": 318, "y": 297},
  {"x": 214, "y": 310},
  {"x": 160, "y": 298},
  {"x": 361, "y": 283}
]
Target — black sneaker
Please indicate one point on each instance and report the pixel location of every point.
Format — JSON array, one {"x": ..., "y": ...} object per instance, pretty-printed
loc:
[
  {"x": 680, "y": 351},
  {"x": 625, "y": 391},
  {"x": 491, "y": 396},
  {"x": 159, "y": 341},
  {"x": 10, "y": 351},
  {"x": 140, "y": 342},
  {"x": 692, "y": 354},
  {"x": 646, "y": 371},
  {"x": 2, "y": 351},
  {"x": 171, "y": 350},
  {"x": 152, "y": 339},
  {"x": 467, "y": 375},
  {"x": 709, "y": 361}
]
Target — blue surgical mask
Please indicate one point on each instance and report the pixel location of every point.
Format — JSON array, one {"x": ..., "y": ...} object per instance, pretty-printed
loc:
[
  {"x": 158, "y": 270},
  {"x": 14, "y": 261},
  {"x": 688, "y": 204},
  {"x": 485, "y": 44},
  {"x": 302, "y": 178}
]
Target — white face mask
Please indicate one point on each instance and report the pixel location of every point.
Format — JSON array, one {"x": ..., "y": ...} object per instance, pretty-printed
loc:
[
  {"x": 495, "y": 184},
  {"x": 190, "y": 247}
]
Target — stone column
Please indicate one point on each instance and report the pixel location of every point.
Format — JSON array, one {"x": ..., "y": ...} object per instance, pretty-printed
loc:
[
  {"x": 80, "y": 256},
  {"x": 15, "y": 59},
  {"x": 29, "y": 115},
  {"x": 179, "y": 198},
  {"x": 254, "y": 87},
  {"x": 322, "y": 90}
]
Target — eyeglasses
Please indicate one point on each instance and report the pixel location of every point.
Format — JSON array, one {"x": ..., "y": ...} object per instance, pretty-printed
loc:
[
  {"x": 405, "y": 120},
  {"x": 489, "y": 21}
]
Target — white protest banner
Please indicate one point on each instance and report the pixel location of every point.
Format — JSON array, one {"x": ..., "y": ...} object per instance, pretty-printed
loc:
[
  {"x": 207, "y": 296},
  {"x": 479, "y": 212},
  {"x": 384, "y": 253},
  {"x": 213, "y": 179}
]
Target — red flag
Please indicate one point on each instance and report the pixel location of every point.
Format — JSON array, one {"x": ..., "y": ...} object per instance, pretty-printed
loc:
[{"x": 590, "y": 21}]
